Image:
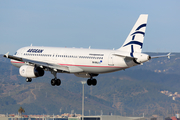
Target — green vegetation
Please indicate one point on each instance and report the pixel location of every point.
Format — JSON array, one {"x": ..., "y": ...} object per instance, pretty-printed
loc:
[
  {"x": 21, "y": 110},
  {"x": 7, "y": 101}
]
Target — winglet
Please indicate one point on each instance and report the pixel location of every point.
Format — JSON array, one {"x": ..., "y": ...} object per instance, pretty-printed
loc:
[
  {"x": 6, "y": 55},
  {"x": 168, "y": 55}
]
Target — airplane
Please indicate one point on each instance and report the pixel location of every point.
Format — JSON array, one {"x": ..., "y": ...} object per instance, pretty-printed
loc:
[{"x": 32, "y": 61}]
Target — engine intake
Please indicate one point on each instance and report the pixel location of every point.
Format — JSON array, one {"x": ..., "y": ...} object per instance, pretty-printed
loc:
[{"x": 31, "y": 71}]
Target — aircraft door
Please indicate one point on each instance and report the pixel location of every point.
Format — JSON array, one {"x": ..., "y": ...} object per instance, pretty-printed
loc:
[{"x": 110, "y": 60}]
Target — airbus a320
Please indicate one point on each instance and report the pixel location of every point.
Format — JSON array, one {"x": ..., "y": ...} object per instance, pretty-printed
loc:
[{"x": 32, "y": 61}]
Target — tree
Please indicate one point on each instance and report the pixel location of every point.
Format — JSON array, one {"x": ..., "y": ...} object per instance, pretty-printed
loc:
[{"x": 21, "y": 110}]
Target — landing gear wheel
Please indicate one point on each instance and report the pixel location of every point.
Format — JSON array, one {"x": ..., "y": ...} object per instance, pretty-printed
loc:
[
  {"x": 89, "y": 82},
  {"x": 94, "y": 82},
  {"x": 58, "y": 82},
  {"x": 53, "y": 82},
  {"x": 28, "y": 79}
]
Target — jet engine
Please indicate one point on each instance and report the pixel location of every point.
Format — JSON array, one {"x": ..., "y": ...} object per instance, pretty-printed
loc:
[
  {"x": 141, "y": 58},
  {"x": 31, "y": 71}
]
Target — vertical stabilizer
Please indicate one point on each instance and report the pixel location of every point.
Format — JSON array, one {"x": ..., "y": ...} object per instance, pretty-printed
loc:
[{"x": 134, "y": 41}]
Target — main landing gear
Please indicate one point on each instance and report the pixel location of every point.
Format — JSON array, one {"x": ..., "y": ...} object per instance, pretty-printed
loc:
[
  {"x": 55, "y": 81},
  {"x": 91, "y": 81}
]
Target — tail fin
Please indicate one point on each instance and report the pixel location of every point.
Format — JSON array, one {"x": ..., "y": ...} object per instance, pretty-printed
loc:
[{"x": 134, "y": 41}]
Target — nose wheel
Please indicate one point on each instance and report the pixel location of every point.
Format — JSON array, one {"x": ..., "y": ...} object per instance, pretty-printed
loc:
[{"x": 28, "y": 79}]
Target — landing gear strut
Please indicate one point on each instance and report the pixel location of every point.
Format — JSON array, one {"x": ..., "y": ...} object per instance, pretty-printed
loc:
[{"x": 55, "y": 81}]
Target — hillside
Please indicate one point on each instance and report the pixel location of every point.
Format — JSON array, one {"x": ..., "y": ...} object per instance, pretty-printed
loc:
[
  {"x": 162, "y": 65},
  {"x": 131, "y": 92}
]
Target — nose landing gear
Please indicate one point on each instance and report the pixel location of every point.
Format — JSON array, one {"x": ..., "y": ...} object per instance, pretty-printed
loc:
[{"x": 28, "y": 79}]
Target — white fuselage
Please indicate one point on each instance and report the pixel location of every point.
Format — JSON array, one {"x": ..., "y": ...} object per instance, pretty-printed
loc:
[{"x": 85, "y": 60}]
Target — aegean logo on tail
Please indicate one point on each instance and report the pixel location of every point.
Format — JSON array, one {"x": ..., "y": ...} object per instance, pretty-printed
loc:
[{"x": 134, "y": 34}]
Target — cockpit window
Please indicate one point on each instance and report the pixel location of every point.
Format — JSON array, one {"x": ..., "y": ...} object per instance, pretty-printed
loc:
[{"x": 15, "y": 53}]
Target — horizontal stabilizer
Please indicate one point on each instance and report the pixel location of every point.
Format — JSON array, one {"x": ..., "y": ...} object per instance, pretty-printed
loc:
[{"x": 168, "y": 55}]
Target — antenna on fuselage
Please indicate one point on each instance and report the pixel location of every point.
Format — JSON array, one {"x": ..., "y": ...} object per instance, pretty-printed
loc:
[{"x": 31, "y": 44}]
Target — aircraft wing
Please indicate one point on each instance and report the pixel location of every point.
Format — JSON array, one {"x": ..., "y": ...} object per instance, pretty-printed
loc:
[{"x": 45, "y": 65}]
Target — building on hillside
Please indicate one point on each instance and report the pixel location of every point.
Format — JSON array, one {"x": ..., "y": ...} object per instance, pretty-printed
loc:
[
  {"x": 19, "y": 118},
  {"x": 173, "y": 118}
]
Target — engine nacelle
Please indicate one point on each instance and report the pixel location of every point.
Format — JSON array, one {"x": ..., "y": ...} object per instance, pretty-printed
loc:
[
  {"x": 31, "y": 71},
  {"x": 141, "y": 58}
]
